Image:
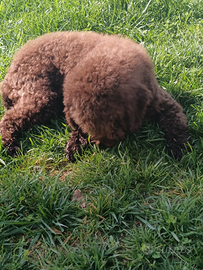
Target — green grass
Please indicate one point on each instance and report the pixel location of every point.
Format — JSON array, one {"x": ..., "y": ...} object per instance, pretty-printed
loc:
[{"x": 144, "y": 209}]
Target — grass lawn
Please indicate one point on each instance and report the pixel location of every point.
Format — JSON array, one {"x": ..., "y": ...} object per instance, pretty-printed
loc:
[{"x": 144, "y": 209}]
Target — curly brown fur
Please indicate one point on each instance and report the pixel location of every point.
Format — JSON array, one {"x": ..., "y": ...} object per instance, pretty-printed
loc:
[{"x": 107, "y": 84}]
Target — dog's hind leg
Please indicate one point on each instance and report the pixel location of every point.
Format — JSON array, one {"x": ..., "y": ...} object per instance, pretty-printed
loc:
[
  {"x": 24, "y": 114},
  {"x": 171, "y": 119}
]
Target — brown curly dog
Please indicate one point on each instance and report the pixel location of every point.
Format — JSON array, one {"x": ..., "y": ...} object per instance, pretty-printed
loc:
[{"x": 106, "y": 85}]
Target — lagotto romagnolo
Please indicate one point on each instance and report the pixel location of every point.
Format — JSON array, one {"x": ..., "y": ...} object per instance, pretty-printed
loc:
[{"x": 104, "y": 83}]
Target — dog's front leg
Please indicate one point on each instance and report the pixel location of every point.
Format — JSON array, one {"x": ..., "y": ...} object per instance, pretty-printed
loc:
[{"x": 75, "y": 144}]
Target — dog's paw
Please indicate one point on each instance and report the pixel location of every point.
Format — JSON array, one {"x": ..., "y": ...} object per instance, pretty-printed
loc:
[
  {"x": 12, "y": 150},
  {"x": 70, "y": 154},
  {"x": 178, "y": 149}
]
